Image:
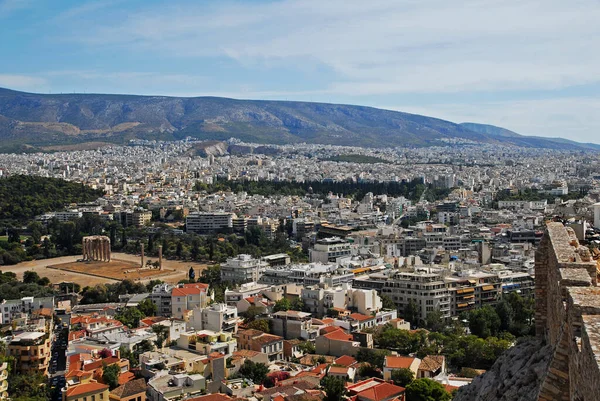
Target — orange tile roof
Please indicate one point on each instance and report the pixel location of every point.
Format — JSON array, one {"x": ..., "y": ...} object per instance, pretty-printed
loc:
[
  {"x": 382, "y": 391},
  {"x": 74, "y": 335},
  {"x": 338, "y": 370},
  {"x": 345, "y": 360},
  {"x": 99, "y": 363},
  {"x": 338, "y": 335},
  {"x": 398, "y": 362},
  {"x": 126, "y": 377},
  {"x": 267, "y": 339},
  {"x": 86, "y": 388},
  {"x": 187, "y": 291},
  {"x": 330, "y": 329},
  {"x": 319, "y": 369},
  {"x": 449, "y": 388},
  {"x": 360, "y": 317}
]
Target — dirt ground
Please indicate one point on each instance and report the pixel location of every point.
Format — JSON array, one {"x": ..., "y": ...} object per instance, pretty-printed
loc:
[{"x": 173, "y": 270}]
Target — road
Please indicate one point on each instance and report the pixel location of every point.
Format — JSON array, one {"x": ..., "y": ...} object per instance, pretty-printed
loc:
[{"x": 58, "y": 361}]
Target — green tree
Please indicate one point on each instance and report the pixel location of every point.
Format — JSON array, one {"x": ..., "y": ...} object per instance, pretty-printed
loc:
[
  {"x": 506, "y": 314},
  {"x": 307, "y": 347},
  {"x": 368, "y": 370},
  {"x": 162, "y": 333},
  {"x": 484, "y": 322},
  {"x": 334, "y": 388},
  {"x": 147, "y": 307},
  {"x": 260, "y": 324},
  {"x": 110, "y": 375},
  {"x": 375, "y": 357},
  {"x": 402, "y": 377},
  {"x": 31, "y": 387},
  {"x": 130, "y": 317},
  {"x": 282, "y": 305},
  {"x": 257, "y": 372},
  {"x": 297, "y": 304},
  {"x": 411, "y": 312},
  {"x": 30, "y": 277},
  {"x": 127, "y": 354},
  {"x": 426, "y": 390},
  {"x": 387, "y": 302},
  {"x": 211, "y": 275},
  {"x": 435, "y": 321},
  {"x": 252, "y": 312}
]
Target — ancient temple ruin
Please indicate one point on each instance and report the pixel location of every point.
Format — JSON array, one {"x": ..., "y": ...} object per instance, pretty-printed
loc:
[{"x": 96, "y": 248}]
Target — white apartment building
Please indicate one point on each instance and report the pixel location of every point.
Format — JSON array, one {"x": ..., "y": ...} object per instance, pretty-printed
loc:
[
  {"x": 9, "y": 309},
  {"x": 246, "y": 290},
  {"x": 518, "y": 204},
  {"x": 161, "y": 297},
  {"x": 242, "y": 269},
  {"x": 187, "y": 298},
  {"x": 67, "y": 215},
  {"x": 319, "y": 299},
  {"x": 328, "y": 250},
  {"x": 216, "y": 317},
  {"x": 425, "y": 287},
  {"x": 205, "y": 222}
]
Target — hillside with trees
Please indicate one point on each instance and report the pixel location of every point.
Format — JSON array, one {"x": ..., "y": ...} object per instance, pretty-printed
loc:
[{"x": 23, "y": 197}]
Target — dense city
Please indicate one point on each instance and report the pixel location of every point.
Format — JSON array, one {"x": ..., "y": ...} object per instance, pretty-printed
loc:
[{"x": 215, "y": 271}]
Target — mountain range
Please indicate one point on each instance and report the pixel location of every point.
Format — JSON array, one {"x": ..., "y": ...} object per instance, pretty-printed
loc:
[{"x": 31, "y": 121}]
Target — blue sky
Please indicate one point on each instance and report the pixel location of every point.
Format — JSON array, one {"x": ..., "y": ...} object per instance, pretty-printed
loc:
[{"x": 527, "y": 65}]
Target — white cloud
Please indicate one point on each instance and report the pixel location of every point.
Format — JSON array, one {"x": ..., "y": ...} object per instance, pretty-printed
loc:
[
  {"x": 7, "y": 7},
  {"x": 382, "y": 47},
  {"x": 22, "y": 82}
]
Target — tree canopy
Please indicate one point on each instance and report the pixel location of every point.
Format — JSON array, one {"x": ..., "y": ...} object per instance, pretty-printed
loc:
[
  {"x": 257, "y": 372},
  {"x": 426, "y": 390},
  {"x": 26, "y": 196}
]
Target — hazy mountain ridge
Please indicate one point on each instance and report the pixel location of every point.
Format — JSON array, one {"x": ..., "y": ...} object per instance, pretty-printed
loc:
[{"x": 37, "y": 120}]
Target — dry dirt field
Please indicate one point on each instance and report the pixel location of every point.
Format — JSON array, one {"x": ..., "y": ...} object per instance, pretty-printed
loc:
[{"x": 172, "y": 272}]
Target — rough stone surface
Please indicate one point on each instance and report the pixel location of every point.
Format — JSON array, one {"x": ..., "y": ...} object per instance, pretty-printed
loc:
[{"x": 516, "y": 375}]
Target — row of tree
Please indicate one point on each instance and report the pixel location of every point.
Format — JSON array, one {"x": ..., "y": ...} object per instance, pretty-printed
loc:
[{"x": 409, "y": 189}]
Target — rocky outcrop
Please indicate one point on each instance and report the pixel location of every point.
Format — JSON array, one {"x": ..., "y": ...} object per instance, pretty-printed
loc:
[
  {"x": 208, "y": 148},
  {"x": 516, "y": 376}
]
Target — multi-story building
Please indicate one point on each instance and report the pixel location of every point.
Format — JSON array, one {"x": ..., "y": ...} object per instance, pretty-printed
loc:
[
  {"x": 188, "y": 297},
  {"x": 425, "y": 287},
  {"x": 161, "y": 297},
  {"x": 293, "y": 324},
  {"x": 242, "y": 269},
  {"x": 473, "y": 291},
  {"x": 67, "y": 215},
  {"x": 520, "y": 282},
  {"x": 208, "y": 341},
  {"x": 133, "y": 218},
  {"x": 10, "y": 308},
  {"x": 319, "y": 299},
  {"x": 256, "y": 340},
  {"x": 330, "y": 249},
  {"x": 31, "y": 350},
  {"x": 167, "y": 387},
  {"x": 204, "y": 222},
  {"x": 246, "y": 290},
  {"x": 216, "y": 317},
  {"x": 86, "y": 392}
]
